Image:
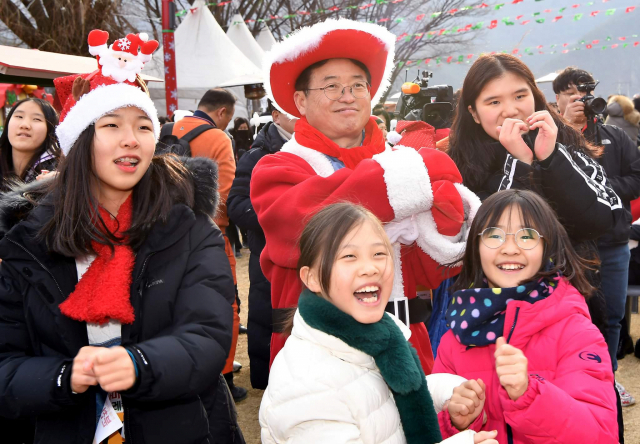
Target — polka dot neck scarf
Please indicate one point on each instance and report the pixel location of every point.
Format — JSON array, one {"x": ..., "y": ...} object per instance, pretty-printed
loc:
[{"x": 477, "y": 315}]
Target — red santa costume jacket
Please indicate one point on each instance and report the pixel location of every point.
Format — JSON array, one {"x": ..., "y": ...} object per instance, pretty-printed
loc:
[{"x": 418, "y": 194}]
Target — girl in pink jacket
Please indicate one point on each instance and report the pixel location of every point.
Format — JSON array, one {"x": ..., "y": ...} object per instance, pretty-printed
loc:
[{"x": 537, "y": 369}]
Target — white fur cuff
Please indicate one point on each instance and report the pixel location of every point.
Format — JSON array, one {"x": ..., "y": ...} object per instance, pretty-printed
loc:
[
  {"x": 99, "y": 102},
  {"x": 407, "y": 179}
]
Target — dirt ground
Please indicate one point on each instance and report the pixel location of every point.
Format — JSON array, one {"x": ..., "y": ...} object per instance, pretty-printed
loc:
[{"x": 628, "y": 372}]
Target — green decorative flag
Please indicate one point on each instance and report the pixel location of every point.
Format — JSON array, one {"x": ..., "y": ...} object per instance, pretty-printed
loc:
[
  {"x": 540, "y": 21},
  {"x": 604, "y": 47},
  {"x": 466, "y": 8},
  {"x": 438, "y": 60},
  {"x": 460, "y": 58},
  {"x": 608, "y": 38},
  {"x": 498, "y": 6},
  {"x": 400, "y": 64},
  {"x": 562, "y": 9},
  {"x": 479, "y": 25},
  {"x": 436, "y": 14},
  {"x": 577, "y": 17},
  {"x": 590, "y": 4},
  {"x": 625, "y": 45},
  {"x": 399, "y": 20},
  {"x": 610, "y": 11},
  {"x": 554, "y": 45},
  {"x": 582, "y": 42},
  {"x": 536, "y": 14}
]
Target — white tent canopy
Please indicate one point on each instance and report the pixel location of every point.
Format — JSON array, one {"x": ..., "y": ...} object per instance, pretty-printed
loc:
[
  {"x": 240, "y": 35},
  {"x": 548, "y": 78},
  {"x": 205, "y": 59},
  {"x": 265, "y": 39}
]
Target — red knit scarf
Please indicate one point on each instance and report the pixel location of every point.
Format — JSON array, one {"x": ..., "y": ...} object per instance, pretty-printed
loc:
[
  {"x": 373, "y": 143},
  {"x": 103, "y": 291}
]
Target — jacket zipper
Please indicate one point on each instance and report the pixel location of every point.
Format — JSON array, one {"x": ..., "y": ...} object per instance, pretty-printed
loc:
[
  {"x": 127, "y": 428},
  {"x": 513, "y": 327},
  {"x": 38, "y": 262},
  {"x": 144, "y": 265}
]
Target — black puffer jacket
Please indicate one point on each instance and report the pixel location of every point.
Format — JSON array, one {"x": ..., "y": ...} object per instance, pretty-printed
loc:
[
  {"x": 182, "y": 292},
  {"x": 621, "y": 162},
  {"x": 242, "y": 214}
]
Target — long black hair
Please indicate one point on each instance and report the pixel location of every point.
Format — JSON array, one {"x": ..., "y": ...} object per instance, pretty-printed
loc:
[
  {"x": 50, "y": 142},
  {"x": 535, "y": 213},
  {"x": 76, "y": 221},
  {"x": 474, "y": 152}
]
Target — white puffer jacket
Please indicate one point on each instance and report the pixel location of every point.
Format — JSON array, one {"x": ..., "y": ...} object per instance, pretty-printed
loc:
[{"x": 321, "y": 390}]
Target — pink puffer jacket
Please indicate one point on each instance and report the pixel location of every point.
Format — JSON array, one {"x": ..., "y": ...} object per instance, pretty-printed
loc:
[{"x": 570, "y": 398}]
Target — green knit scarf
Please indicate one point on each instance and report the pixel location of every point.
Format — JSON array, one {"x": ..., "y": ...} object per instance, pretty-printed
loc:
[{"x": 395, "y": 357}]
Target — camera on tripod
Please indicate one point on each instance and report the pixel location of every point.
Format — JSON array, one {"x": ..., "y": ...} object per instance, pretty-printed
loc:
[
  {"x": 431, "y": 104},
  {"x": 593, "y": 106}
]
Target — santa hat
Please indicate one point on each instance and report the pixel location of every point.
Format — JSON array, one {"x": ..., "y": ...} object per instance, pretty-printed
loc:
[
  {"x": 130, "y": 43},
  {"x": 367, "y": 43},
  {"x": 103, "y": 96},
  {"x": 416, "y": 134}
]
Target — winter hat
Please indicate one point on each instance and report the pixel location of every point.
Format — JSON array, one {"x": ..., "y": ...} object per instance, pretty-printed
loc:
[
  {"x": 115, "y": 85},
  {"x": 416, "y": 134},
  {"x": 370, "y": 44}
]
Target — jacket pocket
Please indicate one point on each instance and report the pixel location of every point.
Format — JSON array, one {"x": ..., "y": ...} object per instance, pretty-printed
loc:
[{"x": 175, "y": 422}]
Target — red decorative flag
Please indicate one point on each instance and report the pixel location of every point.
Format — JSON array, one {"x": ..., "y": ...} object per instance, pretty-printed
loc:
[
  {"x": 575, "y": 6},
  {"x": 547, "y": 10},
  {"x": 565, "y": 45},
  {"x": 453, "y": 11},
  {"x": 449, "y": 59},
  {"x": 539, "y": 47},
  {"x": 519, "y": 17},
  {"x": 594, "y": 13},
  {"x": 622, "y": 38},
  {"x": 557, "y": 18},
  {"x": 420, "y": 16},
  {"x": 494, "y": 23},
  {"x": 515, "y": 51},
  {"x": 595, "y": 42},
  {"x": 383, "y": 20},
  {"x": 483, "y": 5},
  {"x": 470, "y": 56},
  {"x": 589, "y": 46},
  {"x": 334, "y": 8},
  {"x": 525, "y": 22},
  {"x": 516, "y": 1},
  {"x": 630, "y": 8},
  {"x": 564, "y": 51},
  {"x": 636, "y": 44},
  {"x": 615, "y": 45}
]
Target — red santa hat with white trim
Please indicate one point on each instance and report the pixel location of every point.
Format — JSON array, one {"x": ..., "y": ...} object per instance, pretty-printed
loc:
[
  {"x": 84, "y": 101},
  {"x": 367, "y": 43}
]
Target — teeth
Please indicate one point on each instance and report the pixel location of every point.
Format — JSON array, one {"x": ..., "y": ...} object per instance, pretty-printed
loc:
[
  {"x": 368, "y": 289},
  {"x": 511, "y": 267},
  {"x": 127, "y": 159},
  {"x": 371, "y": 299}
]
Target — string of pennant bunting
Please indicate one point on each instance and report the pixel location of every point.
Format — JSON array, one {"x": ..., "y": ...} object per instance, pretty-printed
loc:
[
  {"x": 418, "y": 17},
  {"x": 563, "y": 48}
]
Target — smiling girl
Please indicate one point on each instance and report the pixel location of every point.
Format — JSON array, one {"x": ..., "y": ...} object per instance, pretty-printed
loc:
[
  {"x": 116, "y": 293},
  {"x": 504, "y": 136},
  {"x": 537, "y": 369},
  {"x": 28, "y": 145},
  {"x": 347, "y": 372}
]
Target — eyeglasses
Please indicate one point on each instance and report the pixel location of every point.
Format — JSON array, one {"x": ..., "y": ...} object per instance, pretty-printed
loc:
[
  {"x": 526, "y": 238},
  {"x": 334, "y": 91}
]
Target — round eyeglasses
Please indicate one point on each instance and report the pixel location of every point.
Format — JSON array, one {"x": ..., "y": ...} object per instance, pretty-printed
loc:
[
  {"x": 526, "y": 238},
  {"x": 334, "y": 91}
]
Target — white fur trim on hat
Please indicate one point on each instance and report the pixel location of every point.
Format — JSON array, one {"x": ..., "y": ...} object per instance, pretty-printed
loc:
[
  {"x": 96, "y": 50},
  {"x": 309, "y": 37},
  {"x": 393, "y": 138},
  {"x": 407, "y": 180},
  {"x": 97, "y": 103}
]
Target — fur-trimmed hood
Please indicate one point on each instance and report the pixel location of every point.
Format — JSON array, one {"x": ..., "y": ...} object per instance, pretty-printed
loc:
[
  {"x": 17, "y": 203},
  {"x": 621, "y": 106}
]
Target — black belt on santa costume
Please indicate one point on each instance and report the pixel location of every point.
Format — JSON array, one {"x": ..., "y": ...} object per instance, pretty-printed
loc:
[{"x": 418, "y": 310}]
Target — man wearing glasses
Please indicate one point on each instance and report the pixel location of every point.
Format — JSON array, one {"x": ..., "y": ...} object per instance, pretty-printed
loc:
[{"x": 328, "y": 75}]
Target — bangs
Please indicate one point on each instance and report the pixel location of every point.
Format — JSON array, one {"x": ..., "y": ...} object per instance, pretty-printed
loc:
[{"x": 530, "y": 214}]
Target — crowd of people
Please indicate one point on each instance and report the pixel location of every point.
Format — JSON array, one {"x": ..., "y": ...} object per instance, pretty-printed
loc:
[{"x": 119, "y": 307}]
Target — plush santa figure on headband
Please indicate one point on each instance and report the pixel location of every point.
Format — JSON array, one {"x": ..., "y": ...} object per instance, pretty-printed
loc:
[
  {"x": 329, "y": 75},
  {"x": 124, "y": 59}
]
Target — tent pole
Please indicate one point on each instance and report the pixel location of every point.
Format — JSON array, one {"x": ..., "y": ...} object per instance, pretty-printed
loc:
[{"x": 168, "y": 45}]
